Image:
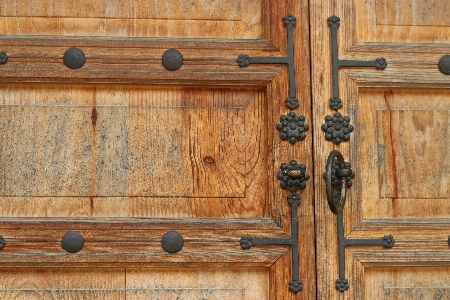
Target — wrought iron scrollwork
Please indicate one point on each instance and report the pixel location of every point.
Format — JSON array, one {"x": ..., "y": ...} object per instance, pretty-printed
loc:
[
  {"x": 338, "y": 177},
  {"x": 293, "y": 177}
]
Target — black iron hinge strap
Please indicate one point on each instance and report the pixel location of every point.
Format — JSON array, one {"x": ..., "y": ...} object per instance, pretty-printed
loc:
[
  {"x": 244, "y": 60},
  {"x": 379, "y": 63}
]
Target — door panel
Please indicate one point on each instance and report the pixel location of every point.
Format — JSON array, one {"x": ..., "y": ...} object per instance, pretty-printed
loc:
[
  {"x": 181, "y": 19},
  {"x": 196, "y": 149},
  {"x": 123, "y": 150},
  {"x": 399, "y": 149},
  {"x": 408, "y": 283},
  {"x": 60, "y": 283},
  {"x": 406, "y": 21},
  {"x": 197, "y": 283}
]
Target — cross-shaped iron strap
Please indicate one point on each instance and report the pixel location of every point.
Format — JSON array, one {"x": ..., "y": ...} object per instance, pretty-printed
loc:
[
  {"x": 379, "y": 63},
  {"x": 244, "y": 60},
  {"x": 387, "y": 241},
  {"x": 338, "y": 176},
  {"x": 293, "y": 177}
]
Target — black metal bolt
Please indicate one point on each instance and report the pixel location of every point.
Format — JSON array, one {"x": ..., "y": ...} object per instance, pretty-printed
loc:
[
  {"x": 2, "y": 242},
  {"x": 444, "y": 64},
  {"x": 172, "y": 242},
  {"x": 72, "y": 241},
  {"x": 74, "y": 58},
  {"x": 3, "y": 57},
  {"x": 172, "y": 59}
]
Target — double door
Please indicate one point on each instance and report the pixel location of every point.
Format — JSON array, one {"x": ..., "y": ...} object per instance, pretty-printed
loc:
[{"x": 123, "y": 149}]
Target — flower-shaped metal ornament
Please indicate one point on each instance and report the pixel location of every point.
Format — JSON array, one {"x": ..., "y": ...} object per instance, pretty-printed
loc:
[
  {"x": 292, "y": 127},
  {"x": 337, "y": 128}
]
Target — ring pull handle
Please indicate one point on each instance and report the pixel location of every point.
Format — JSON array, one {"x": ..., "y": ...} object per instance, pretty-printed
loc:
[{"x": 338, "y": 176}]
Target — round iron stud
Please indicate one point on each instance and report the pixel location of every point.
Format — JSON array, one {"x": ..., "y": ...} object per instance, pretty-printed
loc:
[
  {"x": 74, "y": 58},
  {"x": 172, "y": 59},
  {"x": 3, "y": 57},
  {"x": 444, "y": 64},
  {"x": 72, "y": 241},
  {"x": 2, "y": 242},
  {"x": 172, "y": 242}
]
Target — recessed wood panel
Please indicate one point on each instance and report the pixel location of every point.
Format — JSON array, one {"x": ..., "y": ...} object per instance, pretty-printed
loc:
[
  {"x": 430, "y": 12},
  {"x": 413, "y": 162},
  {"x": 403, "y": 21},
  {"x": 407, "y": 283},
  {"x": 230, "y": 283},
  {"x": 193, "y": 19},
  {"x": 58, "y": 283},
  {"x": 114, "y": 143},
  {"x": 403, "y": 137}
]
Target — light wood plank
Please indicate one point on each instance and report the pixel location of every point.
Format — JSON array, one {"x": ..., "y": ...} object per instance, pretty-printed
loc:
[
  {"x": 230, "y": 283},
  {"x": 58, "y": 283},
  {"x": 406, "y": 21},
  {"x": 175, "y": 19}
]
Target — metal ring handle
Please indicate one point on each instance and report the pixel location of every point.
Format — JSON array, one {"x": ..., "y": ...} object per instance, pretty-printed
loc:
[{"x": 335, "y": 206}]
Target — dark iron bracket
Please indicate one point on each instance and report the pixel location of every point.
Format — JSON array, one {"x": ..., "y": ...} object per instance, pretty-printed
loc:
[
  {"x": 338, "y": 177},
  {"x": 335, "y": 100},
  {"x": 379, "y": 63},
  {"x": 244, "y": 60},
  {"x": 387, "y": 241},
  {"x": 292, "y": 127},
  {"x": 293, "y": 177}
]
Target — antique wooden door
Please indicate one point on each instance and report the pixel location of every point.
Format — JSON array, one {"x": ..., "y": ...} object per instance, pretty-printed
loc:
[
  {"x": 399, "y": 149},
  {"x": 122, "y": 150}
]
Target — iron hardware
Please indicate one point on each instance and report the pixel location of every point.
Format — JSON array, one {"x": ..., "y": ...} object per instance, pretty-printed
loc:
[
  {"x": 3, "y": 57},
  {"x": 244, "y": 60},
  {"x": 293, "y": 177},
  {"x": 72, "y": 241},
  {"x": 444, "y": 64},
  {"x": 335, "y": 100},
  {"x": 337, "y": 128},
  {"x": 338, "y": 177},
  {"x": 292, "y": 127},
  {"x": 172, "y": 242},
  {"x": 172, "y": 59},
  {"x": 2, "y": 242},
  {"x": 74, "y": 58}
]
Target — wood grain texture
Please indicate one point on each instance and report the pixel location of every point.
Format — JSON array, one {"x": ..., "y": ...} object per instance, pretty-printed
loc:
[
  {"x": 423, "y": 13},
  {"x": 116, "y": 144},
  {"x": 62, "y": 283},
  {"x": 230, "y": 283},
  {"x": 174, "y": 19},
  {"x": 408, "y": 283},
  {"x": 409, "y": 158},
  {"x": 122, "y": 231},
  {"x": 418, "y": 218},
  {"x": 207, "y": 62},
  {"x": 137, "y": 242},
  {"x": 406, "y": 21}
]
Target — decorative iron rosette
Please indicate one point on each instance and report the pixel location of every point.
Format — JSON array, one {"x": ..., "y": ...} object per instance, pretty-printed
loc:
[
  {"x": 337, "y": 128},
  {"x": 292, "y": 127}
]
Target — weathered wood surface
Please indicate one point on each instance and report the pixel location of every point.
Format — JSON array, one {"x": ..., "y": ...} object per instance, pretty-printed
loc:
[
  {"x": 207, "y": 62},
  {"x": 399, "y": 149},
  {"x": 139, "y": 283},
  {"x": 174, "y": 19},
  {"x": 91, "y": 134}
]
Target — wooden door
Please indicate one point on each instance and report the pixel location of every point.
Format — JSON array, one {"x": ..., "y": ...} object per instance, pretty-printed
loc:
[
  {"x": 399, "y": 149},
  {"x": 123, "y": 150}
]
